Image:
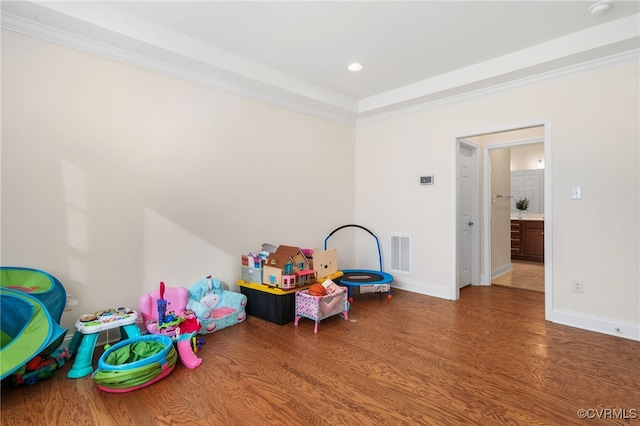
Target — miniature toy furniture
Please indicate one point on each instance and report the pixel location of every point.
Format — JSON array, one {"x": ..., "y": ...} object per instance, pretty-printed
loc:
[
  {"x": 215, "y": 307},
  {"x": 318, "y": 308},
  {"x": 89, "y": 326},
  {"x": 175, "y": 304}
]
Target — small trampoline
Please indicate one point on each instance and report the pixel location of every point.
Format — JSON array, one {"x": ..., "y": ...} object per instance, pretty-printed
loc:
[{"x": 361, "y": 281}]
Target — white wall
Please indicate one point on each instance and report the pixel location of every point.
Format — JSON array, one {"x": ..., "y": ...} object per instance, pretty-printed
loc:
[
  {"x": 115, "y": 178},
  {"x": 527, "y": 157},
  {"x": 500, "y": 211},
  {"x": 595, "y": 145}
]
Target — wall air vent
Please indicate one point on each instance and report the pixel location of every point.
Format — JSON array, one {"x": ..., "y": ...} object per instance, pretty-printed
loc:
[{"x": 401, "y": 254}]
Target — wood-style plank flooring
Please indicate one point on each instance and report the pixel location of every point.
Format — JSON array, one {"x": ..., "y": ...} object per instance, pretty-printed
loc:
[
  {"x": 488, "y": 358},
  {"x": 525, "y": 275}
]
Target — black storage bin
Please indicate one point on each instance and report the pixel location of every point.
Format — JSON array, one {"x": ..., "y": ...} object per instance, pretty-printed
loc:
[{"x": 268, "y": 303}]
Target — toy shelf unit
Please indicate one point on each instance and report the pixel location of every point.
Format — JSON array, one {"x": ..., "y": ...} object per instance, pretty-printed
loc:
[{"x": 318, "y": 308}]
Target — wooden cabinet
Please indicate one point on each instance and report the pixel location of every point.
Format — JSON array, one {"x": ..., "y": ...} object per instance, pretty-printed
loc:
[
  {"x": 516, "y": 238},
  {"x": 527, "y": 240}
]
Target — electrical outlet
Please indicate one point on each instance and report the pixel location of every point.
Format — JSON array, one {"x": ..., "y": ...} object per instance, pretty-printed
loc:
[
  {"x": 71, "y": 303},
  {"x": 577, "y": 286}
]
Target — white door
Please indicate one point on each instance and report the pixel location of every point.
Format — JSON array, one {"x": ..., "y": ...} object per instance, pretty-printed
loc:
[
  {"x": 528, "y": 183},
  {"x": 465, "y": 220}
]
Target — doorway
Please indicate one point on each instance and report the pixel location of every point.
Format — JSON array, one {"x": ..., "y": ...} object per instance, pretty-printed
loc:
[
  {"x": 492, "y": 139},
  {"x": 517, "y": 248},
  {"x": 526, "y": 275}
]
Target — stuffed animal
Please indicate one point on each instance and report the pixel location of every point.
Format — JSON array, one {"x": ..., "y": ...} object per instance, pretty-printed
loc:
[{"x": 215, "y": 307}]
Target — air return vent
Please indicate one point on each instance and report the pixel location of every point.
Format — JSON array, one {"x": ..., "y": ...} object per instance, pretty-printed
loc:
[{"x": 401, "y": 253}]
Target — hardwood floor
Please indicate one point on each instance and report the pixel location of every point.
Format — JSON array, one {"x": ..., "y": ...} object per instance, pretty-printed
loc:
[
  {"x": 525, "y": 275},
  {"x": 488, "y": 358}
]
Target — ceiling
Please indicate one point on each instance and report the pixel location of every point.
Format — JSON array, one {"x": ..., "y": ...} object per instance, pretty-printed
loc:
[{"x": 295, "y": 53}]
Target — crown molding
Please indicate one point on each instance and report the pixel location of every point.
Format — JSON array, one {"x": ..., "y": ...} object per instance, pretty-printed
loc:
[
  {"x": 74, "y": 41},
  {"x": 294, "y": 101},
  {"x": 523, "y": 83}
]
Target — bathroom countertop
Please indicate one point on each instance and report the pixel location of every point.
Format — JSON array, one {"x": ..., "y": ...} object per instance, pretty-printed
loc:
[{"x": 528, "y": 217}]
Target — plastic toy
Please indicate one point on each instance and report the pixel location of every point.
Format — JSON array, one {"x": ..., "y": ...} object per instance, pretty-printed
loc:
[
  {"x": 363, "y": 280},
  {"x": 135, "y": 363},
  {"x": 163, "y": 310},
  {"x": 187, "y": 349},
  {"x": 215, "y": 307},
  {"x": 318, "y": 308},
  {"x": 162, "y": 306},
  {"x": 190, "y": 323},
  {"x": 41, "y": 367},
  {"x": 31, "y": 304},
  {"x": 89, "y": 326}
]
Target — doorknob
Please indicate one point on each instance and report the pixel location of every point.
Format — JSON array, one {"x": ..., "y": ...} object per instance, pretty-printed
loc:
[{"x": 470, "y": 223}]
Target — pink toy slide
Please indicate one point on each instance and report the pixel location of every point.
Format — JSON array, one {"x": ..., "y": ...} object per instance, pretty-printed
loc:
[{"x": 185, "y": 350}]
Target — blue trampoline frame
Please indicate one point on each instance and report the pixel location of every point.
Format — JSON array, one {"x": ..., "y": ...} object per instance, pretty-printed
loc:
[{"x": 349, "y": 277}]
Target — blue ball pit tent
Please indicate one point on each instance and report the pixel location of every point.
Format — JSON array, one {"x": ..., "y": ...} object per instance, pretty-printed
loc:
[{"x": 31, "y": 305}]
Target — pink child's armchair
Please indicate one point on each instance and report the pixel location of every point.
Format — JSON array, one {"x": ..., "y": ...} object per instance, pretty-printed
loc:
[{"x": 176, "y": 298}]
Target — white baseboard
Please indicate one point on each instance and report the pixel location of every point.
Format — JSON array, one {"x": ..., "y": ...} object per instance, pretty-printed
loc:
[
  {"x": 422, "y": 288},
  {"x": 501, "y": 270},
  {"x": 622, "y": 329}
]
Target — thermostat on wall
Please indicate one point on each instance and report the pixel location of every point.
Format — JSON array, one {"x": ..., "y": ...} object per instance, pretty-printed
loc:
[{"x": 426, "y": 180}]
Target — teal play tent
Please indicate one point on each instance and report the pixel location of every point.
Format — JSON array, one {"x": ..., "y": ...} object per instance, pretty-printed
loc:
[{"x": 31, "y": 305}]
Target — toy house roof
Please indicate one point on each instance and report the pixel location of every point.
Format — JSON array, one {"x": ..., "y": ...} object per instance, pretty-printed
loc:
[
  {"x": 278, "y": 260},
  {"x": 288, "y": 250},
  {"x": 284, "y": 255}
]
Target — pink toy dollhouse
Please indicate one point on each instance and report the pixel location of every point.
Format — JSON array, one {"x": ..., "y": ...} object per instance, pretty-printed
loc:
[{"x": 288, "y": 267}]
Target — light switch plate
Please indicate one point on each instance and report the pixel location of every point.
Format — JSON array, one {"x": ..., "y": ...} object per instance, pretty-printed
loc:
[
  {"x": 576, "y": 193},
  {"x": 426, "y": 180}
]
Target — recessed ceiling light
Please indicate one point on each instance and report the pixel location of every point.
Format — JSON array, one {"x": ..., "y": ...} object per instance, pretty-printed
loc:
[
  {"x": 355, "y": 67},
  {"x": 600, "y": 7}
]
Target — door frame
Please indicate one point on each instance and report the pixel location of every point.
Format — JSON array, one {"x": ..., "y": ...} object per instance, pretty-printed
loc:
[
  {"x": 475, "y": 211},
  {"x": 484, "y": 268},
  {"x": 487, "y": 191}
]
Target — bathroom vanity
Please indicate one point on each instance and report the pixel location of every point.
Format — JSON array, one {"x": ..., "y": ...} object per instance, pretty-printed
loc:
[{"x": 527, "y": 239}]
